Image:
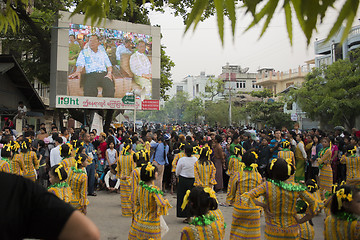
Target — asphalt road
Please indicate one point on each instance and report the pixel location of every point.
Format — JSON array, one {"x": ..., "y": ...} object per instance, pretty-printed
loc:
[{"x": 105, "y": 211}]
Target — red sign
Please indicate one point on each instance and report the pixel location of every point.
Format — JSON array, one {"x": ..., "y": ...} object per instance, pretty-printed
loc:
[{"x": 150, "y": 105}]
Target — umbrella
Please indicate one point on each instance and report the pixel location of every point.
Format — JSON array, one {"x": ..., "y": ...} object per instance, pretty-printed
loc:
[{"x": 340, "y": 128}]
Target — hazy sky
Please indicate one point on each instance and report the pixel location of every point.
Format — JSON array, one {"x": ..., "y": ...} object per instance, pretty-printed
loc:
[{"x": 202, "y": 50}]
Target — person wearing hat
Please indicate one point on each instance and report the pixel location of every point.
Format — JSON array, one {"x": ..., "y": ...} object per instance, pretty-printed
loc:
[{"x": 251, "y": 142}]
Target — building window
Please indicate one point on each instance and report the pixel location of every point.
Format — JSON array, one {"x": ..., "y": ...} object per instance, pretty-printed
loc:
[
  {"x": 237, "y": 85},
  {"x": 289, "y": 106},
  {"x": 179, "y": 88},
  {"x": 242, "y": 84},
  {"x": 197, "y": 88},
  {"x": 254, "y": 84}
]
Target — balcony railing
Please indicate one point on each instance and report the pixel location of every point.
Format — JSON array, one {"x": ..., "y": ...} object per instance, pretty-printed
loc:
[{"x": 281, "y": 76}]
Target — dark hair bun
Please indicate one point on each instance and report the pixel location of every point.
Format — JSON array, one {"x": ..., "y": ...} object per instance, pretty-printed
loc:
[
  {"x": 278, "y": 169},
  {"x": 200, "y": 202}
]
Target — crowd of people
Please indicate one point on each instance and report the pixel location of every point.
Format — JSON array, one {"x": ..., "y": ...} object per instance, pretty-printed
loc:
[{"x": 289, "y": 175}]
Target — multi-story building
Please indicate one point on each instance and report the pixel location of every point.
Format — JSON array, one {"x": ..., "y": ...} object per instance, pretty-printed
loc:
[
  {"x": 279, "y": 81},
  {"x": 237, "y": 79},
  {"x": 329, "y": 51}
]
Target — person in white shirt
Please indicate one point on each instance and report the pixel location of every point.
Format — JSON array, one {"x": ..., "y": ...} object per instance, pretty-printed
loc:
[
  {"x": 123, "y": 49},
  {"x": 140, "y": 66},
  {"x": 111, "y": 181},
  {"x": 55, "y": 157},
  {"x": 185, "y": 173}
]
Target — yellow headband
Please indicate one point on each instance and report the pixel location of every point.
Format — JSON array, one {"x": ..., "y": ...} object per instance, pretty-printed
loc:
[
  {"x": 79, "y": 160},
  {"x": 286, "y": 144},
  {"x": 340, "y": 195},
  {"x": 125, "y": 149},
  {"x": 150, "y": 168},
  {"x": 289, "y": 162},
  {"x": 208, "y": 153},
  {"x": 70, "y": 148},
  {"x": 181, "y": 144},
  {"x": 255, "y": 154},
  {"x": 57, "y": 170},
  {"x": 24, "y": 145},
  {"x": 211, "y": 192},
  {"x": 272, "y": 163},
  {"x": 254, "y": 166},
  {"x": 7, "y": 147},
  {"x": 242, "y": 166},
  {"x": 185, "y": 200},
  {"x": 352, "y": 151},
  {"x": 311, "y": 187}
]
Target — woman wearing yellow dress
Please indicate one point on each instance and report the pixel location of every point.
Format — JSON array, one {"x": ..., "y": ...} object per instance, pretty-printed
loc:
[
  {"x": 59, "y": 186},
  {"x": 288, "y": 155},
  {"x": 77, "y": 181},
  {"x": 125, "y": 166},
  {"x": 204, "y": 169},
  {"x": 28, "y": 157},
  {"x": 150, "y": 205},
  {"x": 17, "y": 163},
  {"x": 326, "y": 173},
  {"x": 344, "y": 223},
  {"x": 68, "y": 161},
  {"x": 246, "y": 215},
  {"x": 352, "y": 166},
  {"x": 204, "y": 225},
  {"x": 5, "y": 162},
  {"x": 280, "y": 201}
]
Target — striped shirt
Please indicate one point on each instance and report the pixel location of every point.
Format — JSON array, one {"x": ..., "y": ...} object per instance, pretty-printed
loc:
[
  {"x": 204, "y": 174},
  {"x": 352, "y": 167},
  {"x": 78, "y": 184},
  {"x": 17, "y": 165},
  {"x": 64, "y": 193},
  {"x": 234, "y": 165},
  {"x": 336, "y": 229},
  {"x": 125, "y": 166},
  {"x": 176, "y": 159},
  {"x": 4, "y": 166}
]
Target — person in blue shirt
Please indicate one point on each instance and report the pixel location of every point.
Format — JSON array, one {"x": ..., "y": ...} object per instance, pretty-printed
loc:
[
  {"x": 90, "y": 169},
  {"x": 275, "y": 144},
  {"x": 159, "y": 158},
  {"x": 98, "y": 69}
]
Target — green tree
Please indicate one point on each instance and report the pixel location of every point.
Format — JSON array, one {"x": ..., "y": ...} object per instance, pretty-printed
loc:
[
  {"x": 213, "y": 87},
  {"x": 308, "y": 13},
  {"x": 194, "y": 110},
  {"x": 331, "y": 94},
  {"x": 266, "y": 93},
  {"x": 269, "y": 114},
  {"x": 176, "y": 107}
]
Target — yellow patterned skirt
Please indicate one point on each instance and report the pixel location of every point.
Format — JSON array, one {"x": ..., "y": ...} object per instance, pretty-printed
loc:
[
  {"x": 30, "y": 175},
  {"x": 326, "y": 178},
  {"x": 125, "y": 193},
  {"x": 306, "y": 230},
  {"x": 245, "y": 223},
  {"x": 144, "y": 230},
  {"x": 273, "y": 232}
]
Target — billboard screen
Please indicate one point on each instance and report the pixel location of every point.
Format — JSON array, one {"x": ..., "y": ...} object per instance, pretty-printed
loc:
[{"x": 104, "y": 63}]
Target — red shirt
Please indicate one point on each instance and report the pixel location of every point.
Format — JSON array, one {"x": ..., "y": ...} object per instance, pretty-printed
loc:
[{"x": 102, "y": 147}]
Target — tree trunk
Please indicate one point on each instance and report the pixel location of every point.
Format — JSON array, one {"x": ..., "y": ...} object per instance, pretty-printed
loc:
[{"x": 108, "y": 119}]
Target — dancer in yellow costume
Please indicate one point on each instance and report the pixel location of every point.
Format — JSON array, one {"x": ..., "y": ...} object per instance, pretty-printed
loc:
[
  {"x": 204, "y": 169},
  {"x": 344, "y": 223},
  {"x": 65, "y": 152},
  {"x": 246, "y": 215},
  {"x": 307, "y": 228},
  {"x": 286, "y": 154},
  {"x": 28, "y": 157},
  {"x": 204, "y": 224},
  {"x": 352, "y": 166},
  {"x": 149, "y": 206},
  {"x": 326, "y": 174},
  {"x": 125, "y": 166},
  {"x": 5, "y": 162},
  {"x": 280, "y": 200},
  {"x": 77, "y": 181},
  {"x": 59, "y": 186}
]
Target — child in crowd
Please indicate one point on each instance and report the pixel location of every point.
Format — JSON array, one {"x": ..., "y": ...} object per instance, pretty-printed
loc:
[
  {"x": 313, "y": 188},
  {"x": 68, "y": 161},
  {"x": 343, "y": 223},
  {"x": 111, "y": 182},
  {"x": 77, "y": 181},
  {"x": 307, "y": 228},
  {"x": 140, "y": 158},
  {"x": 125, "y": 166},
  {"x": 246, "y": 215},
  {"x": 204, "y": 169},
  {"x": 59, "y": 186},
  {"x": 326, "y": 174},
  {"x": 149, "y": 206},
  {"x": 28, "y": 157},
  {"x": 352, "y": 166},
  {"x": 288, "y": 155},
  {"x": 5, "y": 162},
  {"x": 203, "y": 225},
  {"x": 280, "y": 200},
  {"x": 111, "y": 154}
]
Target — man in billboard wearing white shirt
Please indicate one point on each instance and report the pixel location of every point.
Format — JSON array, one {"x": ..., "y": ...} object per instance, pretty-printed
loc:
[
  {"x": 123, "y": 49},
  {"x": 98, "y": 69},
  {"x": 140, "y": 65}
]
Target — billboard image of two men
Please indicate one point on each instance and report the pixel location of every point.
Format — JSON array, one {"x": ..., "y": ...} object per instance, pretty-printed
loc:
[{"x": 108, "y": 63}]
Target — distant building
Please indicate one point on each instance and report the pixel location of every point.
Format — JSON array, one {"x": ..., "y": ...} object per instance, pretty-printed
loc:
[
  {"x": 237, "y": 79},
  {"x": 279, "y": 81},
  {"x": 332, "y": 50}
]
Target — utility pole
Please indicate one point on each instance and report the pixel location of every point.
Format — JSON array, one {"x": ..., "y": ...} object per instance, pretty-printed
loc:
[{"x": 230, "y": 121}]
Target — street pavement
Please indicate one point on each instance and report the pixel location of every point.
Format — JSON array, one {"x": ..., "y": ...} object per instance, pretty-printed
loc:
[{"x": 105, "y": 211}]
